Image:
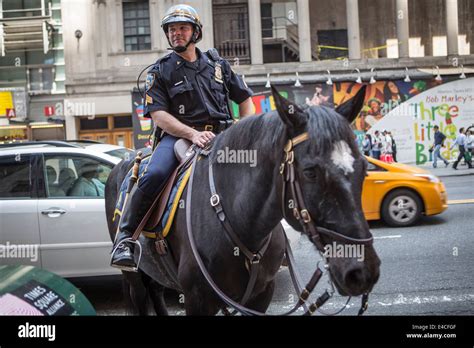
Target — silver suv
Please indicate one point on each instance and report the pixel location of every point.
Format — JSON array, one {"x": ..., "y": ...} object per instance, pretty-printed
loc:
[{"x": 52, "y": 202}]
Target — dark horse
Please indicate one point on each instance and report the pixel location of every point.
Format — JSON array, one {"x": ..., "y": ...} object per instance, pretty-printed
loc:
[{"x": 331, "y": 172}]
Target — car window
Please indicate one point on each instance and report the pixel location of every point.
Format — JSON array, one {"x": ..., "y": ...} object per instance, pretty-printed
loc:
[
  {"x": 75, "y": 176},
  {"x": 373, "y": 168},
  {"x": 15, "y": 177},
  {"x": 121, "y": 153}
]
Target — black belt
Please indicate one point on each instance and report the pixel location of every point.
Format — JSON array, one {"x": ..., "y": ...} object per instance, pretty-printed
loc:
[{"x": 214, "y": 127}]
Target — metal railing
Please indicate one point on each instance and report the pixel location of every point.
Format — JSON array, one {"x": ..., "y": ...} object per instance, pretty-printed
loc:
[
  {"x": 284, "y": 30},
  {"x": 279, "y": 27},
  {"x": 232, "y": 49}
]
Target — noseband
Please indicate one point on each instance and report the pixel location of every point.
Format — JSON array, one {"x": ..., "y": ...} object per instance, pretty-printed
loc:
[{"x": 300, "y": 212}]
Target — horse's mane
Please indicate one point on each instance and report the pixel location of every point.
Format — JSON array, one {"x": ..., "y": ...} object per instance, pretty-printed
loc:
[
  {"x": 262, "y": 132},
  {"x": 325, "y": 127},
  {"x": 266, "y": 132}
]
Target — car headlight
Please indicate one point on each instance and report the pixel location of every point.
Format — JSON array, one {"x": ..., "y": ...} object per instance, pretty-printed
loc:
[{"x": 429, "y": 177}]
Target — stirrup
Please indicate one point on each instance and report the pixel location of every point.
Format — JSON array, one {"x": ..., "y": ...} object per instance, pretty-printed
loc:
[{"x": 125, "y": 268}]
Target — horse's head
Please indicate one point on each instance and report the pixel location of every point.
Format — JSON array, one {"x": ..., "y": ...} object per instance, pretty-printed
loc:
[{"x": 329, "y": 170}]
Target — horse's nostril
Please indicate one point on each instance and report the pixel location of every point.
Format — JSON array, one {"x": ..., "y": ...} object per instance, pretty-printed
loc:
[{"x": 355, "y": 277}]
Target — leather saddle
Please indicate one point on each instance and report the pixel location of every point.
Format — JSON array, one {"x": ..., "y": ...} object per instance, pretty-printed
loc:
[{"x": 183, "y": 150}]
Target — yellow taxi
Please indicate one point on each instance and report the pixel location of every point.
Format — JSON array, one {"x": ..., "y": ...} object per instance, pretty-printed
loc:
[{"x": 399, "y": 194}]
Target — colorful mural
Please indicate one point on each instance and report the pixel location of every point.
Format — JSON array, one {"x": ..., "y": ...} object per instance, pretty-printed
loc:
[
  {"x": 314, "y": 94},
  {"x": 381, "y": 98},
  {"x": 449, "y": 106},
  {"x": 409, "y": 109}
]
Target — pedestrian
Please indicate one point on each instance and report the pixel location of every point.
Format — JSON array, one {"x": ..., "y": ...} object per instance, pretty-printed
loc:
[
  {"x": 387, "y": 155},
  {"x": 469, "y": 143},
  {"x": 187, "y": 94},
  {"x": 377, "y": 145},
  {"x": 439, "y": 139},
  {"x": 367, "y": 145},
  {"x": 461, "y": 141},
  {"x": 394, "y": 147}
]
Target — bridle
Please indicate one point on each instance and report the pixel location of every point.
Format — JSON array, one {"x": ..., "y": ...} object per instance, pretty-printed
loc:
[{"x": 300, "y": 212}]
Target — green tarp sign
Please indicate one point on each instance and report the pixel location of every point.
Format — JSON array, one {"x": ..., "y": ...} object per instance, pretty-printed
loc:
[{"x": 27, "y": 290}]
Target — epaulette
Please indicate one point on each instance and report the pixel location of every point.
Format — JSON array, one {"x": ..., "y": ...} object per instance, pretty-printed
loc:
[
  {"x": 157, "y": 67},
  {"x": 213, "y": 54},
  {"x": 166, "y": 57},
  {"x": 160, "y": 61}
]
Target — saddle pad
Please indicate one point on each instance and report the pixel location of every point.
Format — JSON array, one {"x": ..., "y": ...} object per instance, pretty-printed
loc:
[{"x": 164, "y": 225}]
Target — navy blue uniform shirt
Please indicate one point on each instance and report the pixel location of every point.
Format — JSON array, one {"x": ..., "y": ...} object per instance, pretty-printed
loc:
[{"x": 195, "y": 93}]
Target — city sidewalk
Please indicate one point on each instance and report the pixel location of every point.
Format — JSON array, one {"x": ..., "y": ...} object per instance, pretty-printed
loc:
[{"x": 442, "y": 171}]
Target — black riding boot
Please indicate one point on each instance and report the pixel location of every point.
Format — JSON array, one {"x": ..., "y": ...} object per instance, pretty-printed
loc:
[{"x": 133, "y": 213}]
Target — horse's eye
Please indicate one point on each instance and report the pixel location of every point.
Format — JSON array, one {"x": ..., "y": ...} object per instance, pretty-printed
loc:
[{"x": 310, "y": 173}]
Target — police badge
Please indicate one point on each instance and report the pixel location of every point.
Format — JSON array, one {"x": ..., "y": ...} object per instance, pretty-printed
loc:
[
  {"x": 218, "y": 73},
  {"x": 150, "y": 81}
]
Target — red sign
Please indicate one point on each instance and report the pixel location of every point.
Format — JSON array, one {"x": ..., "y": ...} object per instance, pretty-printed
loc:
[
  {"x": 49, "y": 111},
  {"x": 11, "y": 113}
]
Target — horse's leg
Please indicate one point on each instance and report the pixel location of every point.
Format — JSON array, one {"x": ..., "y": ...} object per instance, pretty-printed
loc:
[
  {"x": 156, "y": 292},
  {"x": 261, "y": 302},
  {"x": 201, "y": 304},
  {"x": 130, "y": 308},
  {"x": 135, "y": 293}
]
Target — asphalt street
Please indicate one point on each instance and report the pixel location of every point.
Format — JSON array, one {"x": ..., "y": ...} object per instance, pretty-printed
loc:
[{"x": 426, "y": 269}]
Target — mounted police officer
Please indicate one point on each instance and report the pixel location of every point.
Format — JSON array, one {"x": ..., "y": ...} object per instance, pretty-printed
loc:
[{"x": 187, "y": 94}]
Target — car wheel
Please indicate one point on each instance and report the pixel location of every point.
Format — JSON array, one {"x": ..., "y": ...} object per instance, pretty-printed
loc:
[{"x": 401, "y": 208}]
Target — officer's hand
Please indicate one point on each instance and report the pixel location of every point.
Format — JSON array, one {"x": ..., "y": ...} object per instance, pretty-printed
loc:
[{"x": 201, "y": 139}]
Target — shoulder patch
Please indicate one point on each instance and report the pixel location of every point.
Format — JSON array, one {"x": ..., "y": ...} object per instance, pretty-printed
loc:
[
  {"x": 148, "y": 100},
  {"x": 150, "y": 81}
]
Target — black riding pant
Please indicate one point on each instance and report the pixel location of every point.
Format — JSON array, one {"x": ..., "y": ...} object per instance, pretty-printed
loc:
[{"x": 162, "y": 163}]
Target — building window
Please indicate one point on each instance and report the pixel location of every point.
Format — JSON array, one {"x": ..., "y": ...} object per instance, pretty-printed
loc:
[
  {"x": 27, "y": 28},
  {"x": 96, "y": 123},
  {"x": 41, "y": 79},
  {"x": 123, "y": 122},
  {"x": 231, "y": 30},
  {"x": 332, "y": 44},
  {"x": 136, "y": 23},
  {"x": 267, "y": 20}
]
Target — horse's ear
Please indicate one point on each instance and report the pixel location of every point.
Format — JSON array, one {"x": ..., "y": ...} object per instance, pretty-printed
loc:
[
  {"x": 351, "y": 108},
  {"x": 290, "y": 113}
]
